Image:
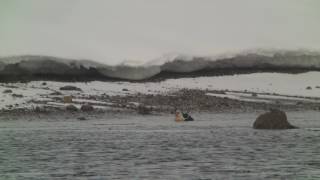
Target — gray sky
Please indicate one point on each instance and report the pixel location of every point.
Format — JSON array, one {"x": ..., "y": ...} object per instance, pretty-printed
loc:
[{"x": 114, "y": 30}]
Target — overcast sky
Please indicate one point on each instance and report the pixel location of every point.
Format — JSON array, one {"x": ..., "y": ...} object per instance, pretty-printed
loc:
[{"x": 114, "y": 30}]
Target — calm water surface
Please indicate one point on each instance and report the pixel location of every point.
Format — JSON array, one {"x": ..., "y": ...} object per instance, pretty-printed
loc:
[{"x": 216, "y": 146}]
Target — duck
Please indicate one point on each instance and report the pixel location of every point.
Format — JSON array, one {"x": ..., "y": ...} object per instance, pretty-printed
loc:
[
  {"x": 182, "y": 117},
  {"x": 179, "y": 116}
]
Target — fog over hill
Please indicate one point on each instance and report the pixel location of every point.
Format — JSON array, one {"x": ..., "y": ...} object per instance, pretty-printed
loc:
[
  {"x": 140, "y": 31},
  {"x": 52, "y": 68}
]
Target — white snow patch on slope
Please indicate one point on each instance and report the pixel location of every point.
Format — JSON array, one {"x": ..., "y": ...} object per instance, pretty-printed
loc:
[{"x": 284, "y": 84}]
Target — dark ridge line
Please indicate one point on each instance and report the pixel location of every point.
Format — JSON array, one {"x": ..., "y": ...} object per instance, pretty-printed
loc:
[{"x": 93, "y": 75}]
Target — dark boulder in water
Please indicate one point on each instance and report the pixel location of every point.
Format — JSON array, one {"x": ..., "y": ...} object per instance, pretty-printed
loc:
[
  {"x": 275, "y": 119},
  {"x": 70, "y": 88}
]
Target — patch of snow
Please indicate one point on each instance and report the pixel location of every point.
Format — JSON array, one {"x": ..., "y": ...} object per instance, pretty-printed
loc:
[
  {"x": 91, "y": 101},
  {"x": 279, "y": 83},
  {"x": 134, "y": 103},
  {"x": 273, "y": 97},
  {"x": 237, "y": 97}
]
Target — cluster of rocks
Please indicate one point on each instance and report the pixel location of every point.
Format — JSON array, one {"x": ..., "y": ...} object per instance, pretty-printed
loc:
[
  {"x": 84, "y": 108},
  {"x": 68, "y": 100},
  {"x": 9, "y": 91},
  {"x": 187, "y": 100},
  {"x": 310, "y": 88}
]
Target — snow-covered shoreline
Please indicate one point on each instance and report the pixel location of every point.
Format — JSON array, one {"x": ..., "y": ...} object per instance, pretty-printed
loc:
[{"x": 265, "y": 88}]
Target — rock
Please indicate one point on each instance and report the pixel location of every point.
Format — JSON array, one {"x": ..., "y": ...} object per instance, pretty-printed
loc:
[
  {"x": 144, "y": 110},
  {"x": 9, "y": 106},
  {"x": 124, "y": 89},
  {"x": 71, "y": 108},
  {"x": 39, "y": 109},
  {"x": 318, "y": 87},
  {"x": 56, "y": 93},
  {"x": 17, "y": 95},
  {"x": 11, "y": 86},
  {"x": 7, "y": 91},
  {"x": 44, "y": 84},
  {"x": 308, "y": 88},
  {"x": 67, "y": 99},
  {"x": 70, "y": 88},
  {"x": 82, "y": 118},
  {"x": 87, "y": 108},
  {"x": 275, "y": 119},
  {"x": 254, "y": 95}
]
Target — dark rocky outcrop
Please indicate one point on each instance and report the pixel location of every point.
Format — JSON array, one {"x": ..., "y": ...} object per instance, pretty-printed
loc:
[
  {"x": 144, "y": 110},
  {"x": 7, "y": 91},
  {"x": 39, "y": 109},
  {"x": 56, "y": 93},
  {"x": 275, "y": 119},
  {"x": 17, "y": 95},
  {"x": 87, "y": 108},
  {"x": 70, "y": 88},
  {"x": 82, "y": 118},
  {"x": 71, "y": 108}
]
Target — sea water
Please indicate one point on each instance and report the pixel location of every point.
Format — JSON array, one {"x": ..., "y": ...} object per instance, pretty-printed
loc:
[{"x": 214, "y": 146}]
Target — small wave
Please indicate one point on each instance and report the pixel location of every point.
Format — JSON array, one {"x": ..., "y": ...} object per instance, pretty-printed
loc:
[{"x": 54, "y": 68}]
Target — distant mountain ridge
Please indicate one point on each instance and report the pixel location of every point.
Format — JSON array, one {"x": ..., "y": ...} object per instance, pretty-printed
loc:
[{"x": 32, "y": 67}]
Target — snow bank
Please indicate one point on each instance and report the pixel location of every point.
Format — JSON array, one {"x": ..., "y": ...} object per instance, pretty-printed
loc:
[{"x": 285, "y": 86}]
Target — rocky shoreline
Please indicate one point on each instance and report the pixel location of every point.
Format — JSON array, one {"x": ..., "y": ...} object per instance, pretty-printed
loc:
[
  {"x": 187, "y": 100},
  {"x": 245, "y": 93}
]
